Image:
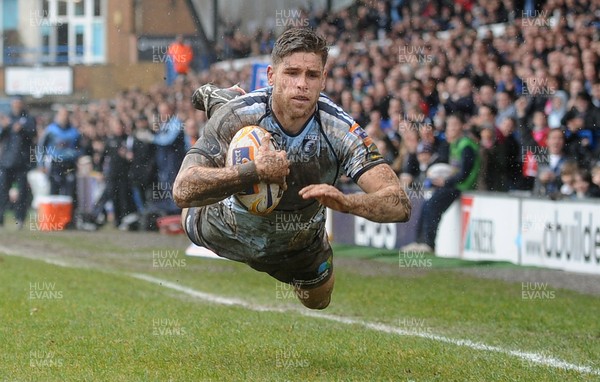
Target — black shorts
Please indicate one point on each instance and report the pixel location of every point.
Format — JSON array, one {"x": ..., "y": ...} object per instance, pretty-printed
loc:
[{"x": 307, "y": 269}]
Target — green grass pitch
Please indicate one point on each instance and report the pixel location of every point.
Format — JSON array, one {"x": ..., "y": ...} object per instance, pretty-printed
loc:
[{"x": 74, "y": 307}]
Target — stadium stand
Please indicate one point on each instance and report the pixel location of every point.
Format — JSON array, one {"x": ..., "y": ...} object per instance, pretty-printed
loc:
[{"x": 410, "y": 65}]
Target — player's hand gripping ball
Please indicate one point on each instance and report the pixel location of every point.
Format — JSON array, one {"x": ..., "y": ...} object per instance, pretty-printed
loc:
[{"x": 260, "y": 198}]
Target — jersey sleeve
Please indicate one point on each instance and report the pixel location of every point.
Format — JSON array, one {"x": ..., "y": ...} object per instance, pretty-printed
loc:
[
  {"x": 359, "y": 152},
  {"x": 215, "y": 136}
]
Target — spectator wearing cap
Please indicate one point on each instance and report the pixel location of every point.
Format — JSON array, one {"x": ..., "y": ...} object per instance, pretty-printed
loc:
[
  {"x": 17, "y": 134},
  {"x": 439, "y": 146},
  {"x": 427, "y": 157}
]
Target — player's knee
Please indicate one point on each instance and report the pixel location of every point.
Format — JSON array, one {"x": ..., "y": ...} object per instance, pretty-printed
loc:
[
  {"x": 316, "y": 304},
  {"x": 317, "y": 298}
]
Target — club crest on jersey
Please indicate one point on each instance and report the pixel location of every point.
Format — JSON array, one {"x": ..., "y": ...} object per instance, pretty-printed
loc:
[{"x": 310, "y": 144}]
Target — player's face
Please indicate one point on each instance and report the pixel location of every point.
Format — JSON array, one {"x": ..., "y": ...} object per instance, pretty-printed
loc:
[{"x": 297, "y": 81}]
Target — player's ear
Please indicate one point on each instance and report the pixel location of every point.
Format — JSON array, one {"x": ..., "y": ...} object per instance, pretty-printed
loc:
[
  {"x": 270, "y": 72},
  {"x": 323, "y": 80}
]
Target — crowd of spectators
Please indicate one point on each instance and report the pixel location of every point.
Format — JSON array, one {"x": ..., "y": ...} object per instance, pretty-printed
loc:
[
  {"x": 540, "y": 72},
  {"x": 116, "y": 158},
  {"x": 529, "y": 96}
]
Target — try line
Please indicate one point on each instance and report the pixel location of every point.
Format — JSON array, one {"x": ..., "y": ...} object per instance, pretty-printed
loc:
[{"x": 535, "y": 358}]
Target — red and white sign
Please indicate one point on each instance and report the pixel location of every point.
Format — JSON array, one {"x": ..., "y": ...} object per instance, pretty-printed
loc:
[{"x": 490, "y": 228}]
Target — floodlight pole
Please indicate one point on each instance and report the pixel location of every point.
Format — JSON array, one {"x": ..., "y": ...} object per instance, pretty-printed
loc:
[
  {"x": 215, "y": 20},
  {"x": 210, "y": 45}
]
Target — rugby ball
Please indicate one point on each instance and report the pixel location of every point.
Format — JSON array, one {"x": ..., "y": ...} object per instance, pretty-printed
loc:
[
  {"x": 440, "y": 170},
  {"x": 260, "y": 198}
]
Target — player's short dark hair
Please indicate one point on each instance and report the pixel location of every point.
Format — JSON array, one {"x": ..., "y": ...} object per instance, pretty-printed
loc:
[{"x": 299, "y": 40}]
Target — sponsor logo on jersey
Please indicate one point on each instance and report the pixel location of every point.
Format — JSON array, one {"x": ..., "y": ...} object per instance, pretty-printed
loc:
[{"x": 362, "y": 134}]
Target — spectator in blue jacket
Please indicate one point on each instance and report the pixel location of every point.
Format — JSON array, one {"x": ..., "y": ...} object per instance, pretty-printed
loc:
[
  {"x": 58, "y": 153},
  {"x": 170, "y": 150}
]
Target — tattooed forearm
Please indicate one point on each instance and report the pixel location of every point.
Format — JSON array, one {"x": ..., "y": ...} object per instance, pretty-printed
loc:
[
  {"x": 385, "y": 200},
  {"x": 389, "y": 204},
  {"x": 198, "y": 186}
]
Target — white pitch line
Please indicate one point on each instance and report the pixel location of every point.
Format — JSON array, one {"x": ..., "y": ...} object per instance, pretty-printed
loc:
[{"x": 536, "y": 358}]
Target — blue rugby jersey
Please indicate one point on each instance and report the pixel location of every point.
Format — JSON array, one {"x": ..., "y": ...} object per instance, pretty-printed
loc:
[{"x": 329, "y": 145}]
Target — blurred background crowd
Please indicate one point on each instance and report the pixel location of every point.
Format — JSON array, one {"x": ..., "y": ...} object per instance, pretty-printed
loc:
[{"x": 528, "y": 93}]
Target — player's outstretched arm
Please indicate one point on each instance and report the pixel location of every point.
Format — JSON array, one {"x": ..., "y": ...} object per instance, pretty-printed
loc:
[
  {"x": 199, "y": 184},
  {"x": 384, "y": 200}
]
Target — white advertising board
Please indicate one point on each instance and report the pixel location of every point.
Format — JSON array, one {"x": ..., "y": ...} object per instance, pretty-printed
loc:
[
  {"x": 561, "y": 235},
  {"x": 447, "y": 241},
  {"x": 38, "y": 81}
]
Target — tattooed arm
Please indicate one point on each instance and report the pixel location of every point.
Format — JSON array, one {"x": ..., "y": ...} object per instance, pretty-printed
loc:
[
  {"x": 384, "y": 199},
  {"x": 199, "y": 183}
]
